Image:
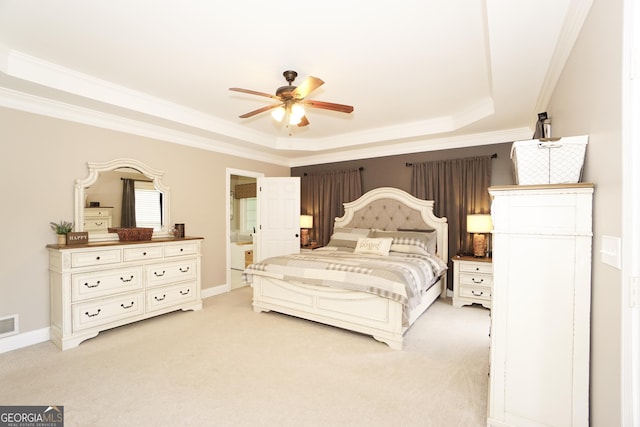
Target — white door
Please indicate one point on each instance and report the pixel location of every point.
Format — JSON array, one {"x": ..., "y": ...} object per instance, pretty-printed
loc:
[{"x": 278, "y": 217}]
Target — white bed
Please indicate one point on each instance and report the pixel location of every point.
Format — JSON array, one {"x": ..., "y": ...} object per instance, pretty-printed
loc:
[{"x": 386, "y": 319}]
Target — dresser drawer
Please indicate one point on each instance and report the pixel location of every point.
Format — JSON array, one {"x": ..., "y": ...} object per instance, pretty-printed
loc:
[
  {"x": 167, "y": 296},
  {"x": 159, "y": 274},
  {"x": 94, "y": 313},
  {"x": 142, "y": 252},
  {"x": 476, "y": 292},
  {"x": 107, "y": 282},
  {"x": 187, "y": 248},
  {"x": 98, "y": 212},
  {"x": 476, "y": 267},
  {"x": 102, "y": 257},
  {"x": 476, "y": 279},
  {"x": 95, "y": 224}
]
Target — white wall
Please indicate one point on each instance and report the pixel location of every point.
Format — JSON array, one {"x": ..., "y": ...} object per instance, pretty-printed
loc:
[{"x": 587, "y": 100}]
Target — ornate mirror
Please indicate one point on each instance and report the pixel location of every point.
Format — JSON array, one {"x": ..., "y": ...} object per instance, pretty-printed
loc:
[{"x": 99, "y": 200}]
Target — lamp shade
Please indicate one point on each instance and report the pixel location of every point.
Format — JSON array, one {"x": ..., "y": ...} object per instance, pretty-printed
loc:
[
  {"x": 306, "y": 221},
  {"x": 278, "y": 114},
  {"x": 479, "y": 223}
]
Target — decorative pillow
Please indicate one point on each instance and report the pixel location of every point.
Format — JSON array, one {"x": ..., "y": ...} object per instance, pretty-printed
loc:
[
  {"x": 347, "y": 237},
  {"x": 410, "y": 242},
  {"x": 369, "y": 245}
]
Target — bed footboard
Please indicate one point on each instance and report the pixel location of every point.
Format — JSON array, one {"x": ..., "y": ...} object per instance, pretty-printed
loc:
[{"x": 355, "y": 311}]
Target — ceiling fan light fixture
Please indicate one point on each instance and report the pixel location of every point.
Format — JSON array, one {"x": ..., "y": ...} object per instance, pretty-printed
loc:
[
  {"x": 278, "y": 114},
  {"x": 294, "y": 120},
  {"x": 297, "y": 111}
]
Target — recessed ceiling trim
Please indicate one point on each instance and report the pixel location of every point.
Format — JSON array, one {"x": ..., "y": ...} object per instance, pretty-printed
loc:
[
  {"x": 569, "y": 32},
  {"x": 425, "y": 128},
  {"x": 443, "y": 143},
  {"x": 36, "y": 70},
  {"x": 46, "y": 107}
]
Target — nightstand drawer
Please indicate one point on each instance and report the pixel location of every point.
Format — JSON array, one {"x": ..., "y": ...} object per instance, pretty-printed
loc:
[
  {"x": 476, "y": 292},
  {"x": 476, "y": 267},
  {"x": 470, "y": 279}
]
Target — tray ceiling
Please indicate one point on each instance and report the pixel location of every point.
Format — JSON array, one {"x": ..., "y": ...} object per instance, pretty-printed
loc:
[{"x": 421, "y": 74}]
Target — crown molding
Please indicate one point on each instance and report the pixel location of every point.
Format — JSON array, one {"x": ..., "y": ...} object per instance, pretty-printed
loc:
[
  {"x": 46, "y": 107},
  {"x": 441, "y": 143},
  {"x": 59, "y": 110},
  {"x": 573, "y": 23}
]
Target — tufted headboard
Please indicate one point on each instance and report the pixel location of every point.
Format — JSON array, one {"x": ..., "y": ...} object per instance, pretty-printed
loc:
[{"x": 387, "y": 208}]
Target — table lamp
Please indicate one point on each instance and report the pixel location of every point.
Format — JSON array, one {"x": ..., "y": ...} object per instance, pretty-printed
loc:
[
  {"x": 306, "y": 222},
  {"x": 479, "y": 224}
]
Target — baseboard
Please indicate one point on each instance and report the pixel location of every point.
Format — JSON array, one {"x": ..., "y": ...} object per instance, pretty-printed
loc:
[
  {"x": 26, "y": 339},
  {"x": 213, "y": 291}
]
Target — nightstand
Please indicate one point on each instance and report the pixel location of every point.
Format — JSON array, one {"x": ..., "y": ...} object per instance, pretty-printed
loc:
[
  {"x": 472, "y": 281},
  {"x": 309, "y": 247}
]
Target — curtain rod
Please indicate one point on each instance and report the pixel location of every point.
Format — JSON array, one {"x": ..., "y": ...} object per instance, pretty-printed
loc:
[
  {"x": 493, "y": 156},
  {"x": 361, "y": 168},
  {"x": 139, "y": 180}
]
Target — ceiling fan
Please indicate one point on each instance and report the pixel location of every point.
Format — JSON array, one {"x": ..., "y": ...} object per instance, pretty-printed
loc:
[{"x": 292, "y": 100}]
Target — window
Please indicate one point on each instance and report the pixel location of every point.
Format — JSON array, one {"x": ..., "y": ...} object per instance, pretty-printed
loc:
[
  {"x": 248, "y": 213},
  {"x": 148, "y": 205}
]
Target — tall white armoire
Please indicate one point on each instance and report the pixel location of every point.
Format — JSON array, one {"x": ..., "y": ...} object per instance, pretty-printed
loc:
[{"x": 540, "y": 315}]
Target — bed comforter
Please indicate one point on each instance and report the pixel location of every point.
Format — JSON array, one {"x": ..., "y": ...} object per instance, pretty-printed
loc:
[{"x": 398, "y": 276}]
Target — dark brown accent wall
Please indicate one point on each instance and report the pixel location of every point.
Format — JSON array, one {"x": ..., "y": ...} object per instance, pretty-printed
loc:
[{"x": 391, "y": 171}]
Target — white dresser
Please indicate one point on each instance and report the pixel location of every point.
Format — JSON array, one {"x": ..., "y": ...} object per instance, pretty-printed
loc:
[
  {"x": 540, "y": 317},
  {"x": 99, "y": 286},
  {"x": 98, "y": 219}
]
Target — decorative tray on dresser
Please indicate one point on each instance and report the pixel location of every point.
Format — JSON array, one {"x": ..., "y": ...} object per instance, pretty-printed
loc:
[{"x": 98, "y": 286}]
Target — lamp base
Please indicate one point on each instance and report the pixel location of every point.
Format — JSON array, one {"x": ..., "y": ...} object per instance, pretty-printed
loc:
[
  {"x": 304, "y": 237},
  {"x": 479, "y": 245}
]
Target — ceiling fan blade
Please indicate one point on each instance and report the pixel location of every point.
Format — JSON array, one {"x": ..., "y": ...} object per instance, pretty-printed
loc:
[
  {"x": 303, "y": 122},
  {"x": 259, "y": 110},
  {"x": 306, "y": 87},
  {"x": 253, "y": 92},
  {"x": 329, "y": 106}
]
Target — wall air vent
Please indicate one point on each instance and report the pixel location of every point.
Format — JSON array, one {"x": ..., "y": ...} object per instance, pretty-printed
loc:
[{"x": 8, "y": 326}]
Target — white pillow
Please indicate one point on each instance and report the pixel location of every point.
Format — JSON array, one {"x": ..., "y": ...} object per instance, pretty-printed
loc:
[{"x": 369, "y": 245}]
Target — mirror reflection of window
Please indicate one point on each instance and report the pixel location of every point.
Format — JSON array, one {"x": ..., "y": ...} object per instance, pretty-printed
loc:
[
  {"x": 148, "y": 205},
  {"x": 248, "y": 214}
]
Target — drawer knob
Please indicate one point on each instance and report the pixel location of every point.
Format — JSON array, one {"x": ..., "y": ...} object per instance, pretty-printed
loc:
[
  {"x": 126, "y": 280},
  {"x": 144, "y": 254},
  {"x": 185, "y": 292},
  {"x": 127, "y": 306},
  {"x": 473, "y": 279},
  {"x": 183, "y": 271},
  {"x": 97, "y": 258},
  {"x": 159, "y": 274},
  {"x": 92, "y": 286},
  {"x": 160, "y": 298},
  {"x": 478, "y": 294},
  {"x": 92, "y": 315},
  {"x": 181, "y": 249}
]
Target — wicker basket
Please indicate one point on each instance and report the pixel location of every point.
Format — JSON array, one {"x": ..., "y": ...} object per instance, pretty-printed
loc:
[
  {"x": 133, "y": 234},
  {"x": 554, "y": 161}
]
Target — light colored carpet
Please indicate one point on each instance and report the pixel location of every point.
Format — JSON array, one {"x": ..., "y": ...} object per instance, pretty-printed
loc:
[{"x": 228, "y": 366}]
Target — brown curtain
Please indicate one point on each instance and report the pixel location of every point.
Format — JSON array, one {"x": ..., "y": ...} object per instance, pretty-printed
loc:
[
  {"x": 459, "y": 187},
  {"x": 322, "y": 196},
  {"x": 128, "y": 214}
]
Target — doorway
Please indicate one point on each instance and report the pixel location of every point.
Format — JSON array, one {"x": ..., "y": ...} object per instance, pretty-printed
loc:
[{"x": 240, "y": 229}]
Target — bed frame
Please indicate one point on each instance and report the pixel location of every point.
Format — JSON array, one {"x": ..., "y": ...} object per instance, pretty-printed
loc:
[{"x": 383, "y": 208}]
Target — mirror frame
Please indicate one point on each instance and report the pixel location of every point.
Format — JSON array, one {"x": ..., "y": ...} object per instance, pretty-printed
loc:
[{"x": 94, "y": 173}]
